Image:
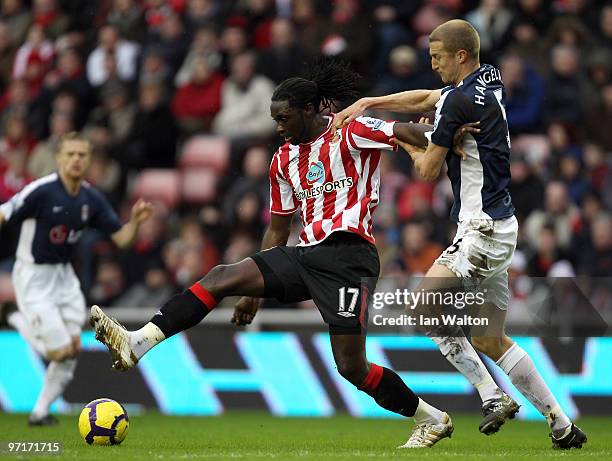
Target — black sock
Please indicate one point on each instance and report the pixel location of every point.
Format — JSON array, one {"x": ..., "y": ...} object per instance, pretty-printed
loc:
[
  {"x": 179, "y": 313},
  {"x": 389, "y": 391}
]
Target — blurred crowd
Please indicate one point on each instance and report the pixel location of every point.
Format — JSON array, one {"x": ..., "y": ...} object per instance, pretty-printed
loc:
[{"x": 141, "y": 78}]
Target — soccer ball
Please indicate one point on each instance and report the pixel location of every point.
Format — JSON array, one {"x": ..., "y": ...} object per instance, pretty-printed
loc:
[{"x": 103, "y": 422}]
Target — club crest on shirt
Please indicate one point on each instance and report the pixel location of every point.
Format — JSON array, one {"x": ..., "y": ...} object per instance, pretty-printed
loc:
[
  {"x": 373, "y": 123},
  {"x": 316, "y": 173},
  {"x": 84, "y": 212}
]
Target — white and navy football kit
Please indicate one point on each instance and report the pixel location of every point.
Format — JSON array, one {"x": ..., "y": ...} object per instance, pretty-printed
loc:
[
  {"x": 52, "y": 221},
  {"x": 487, "y": 229},
  {"x": 334, "y": 182}
]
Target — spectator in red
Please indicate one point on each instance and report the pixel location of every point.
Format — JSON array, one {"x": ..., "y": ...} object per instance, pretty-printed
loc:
[
  {"x": 196, "y": 103},
  {"x": 49, "y": 16},
  {"x": 16, "y": 136},
  {"x": 37, "y": 48},
  {"x": 13, "y": 175}
]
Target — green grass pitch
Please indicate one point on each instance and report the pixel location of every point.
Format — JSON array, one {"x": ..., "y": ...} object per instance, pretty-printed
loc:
[{"x": 258, "y": 436}]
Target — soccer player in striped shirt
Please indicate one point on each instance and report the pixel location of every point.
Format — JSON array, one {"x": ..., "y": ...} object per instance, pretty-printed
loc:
[{"x": 332, "y": 178}]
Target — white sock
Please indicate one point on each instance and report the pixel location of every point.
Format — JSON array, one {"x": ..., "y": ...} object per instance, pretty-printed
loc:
[
  {"x": 58, "y": 376},
  {"x": 19, "y": 322},
  {"x": 460, "y": 352},
  {"x": 141, "y": 341},
  {"x": 426, "y": 414},
  {"x": 523, "y": 374}
]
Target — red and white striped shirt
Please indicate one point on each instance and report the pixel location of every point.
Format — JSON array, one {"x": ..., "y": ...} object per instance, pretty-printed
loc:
[{"x": 334, "y": 182}]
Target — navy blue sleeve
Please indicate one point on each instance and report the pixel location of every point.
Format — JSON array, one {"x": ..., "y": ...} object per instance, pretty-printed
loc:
[
  {"x": 104, "y": 218},
  {"x": 453, "y": 110},
  {"x": 24, "y": 204}
]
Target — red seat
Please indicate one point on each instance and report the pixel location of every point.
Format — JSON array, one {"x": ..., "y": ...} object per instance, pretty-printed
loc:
[
  {"x": 206, "y": 151},
  {"x": 199, "y": 185},
  {"x": 158, "y": 185}
]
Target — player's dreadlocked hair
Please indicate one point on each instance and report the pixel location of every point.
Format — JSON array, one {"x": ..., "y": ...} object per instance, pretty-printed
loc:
[{"x": 330, "y": 80}]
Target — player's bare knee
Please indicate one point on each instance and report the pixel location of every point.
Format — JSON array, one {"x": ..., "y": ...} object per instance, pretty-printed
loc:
[
  {"x": 59, "y": 355},
  {"x": 354, "y": 371},
  {"x": 490, "y": 346},
  {"x": 216, "y": 281}
]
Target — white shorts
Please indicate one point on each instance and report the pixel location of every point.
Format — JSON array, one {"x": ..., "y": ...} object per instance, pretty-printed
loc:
[
  {"x": 481, "y": 254},
  {"x": 50, "y": 297}
]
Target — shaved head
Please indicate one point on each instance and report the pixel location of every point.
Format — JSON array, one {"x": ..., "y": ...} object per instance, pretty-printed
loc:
[{"x": 457, "y": 35}]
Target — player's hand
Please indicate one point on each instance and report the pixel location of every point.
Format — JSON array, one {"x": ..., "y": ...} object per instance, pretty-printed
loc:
[
  {"x": 349, "y": 114},
  {"x": 460, "y": 134},
  {"x": 245, "y": 310},
  {"x": 424, "y": 121},
  {"x": 141, "y": 211},
  {"x": 410, "y": 148}
]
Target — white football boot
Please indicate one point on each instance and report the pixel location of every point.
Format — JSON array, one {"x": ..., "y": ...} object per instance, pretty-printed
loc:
[
  {"x": 114, "y": 336},
  {"x": 427, "y": 435}
]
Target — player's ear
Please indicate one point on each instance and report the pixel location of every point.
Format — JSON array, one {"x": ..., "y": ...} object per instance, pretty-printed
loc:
[{"x": 309, "y": 109}]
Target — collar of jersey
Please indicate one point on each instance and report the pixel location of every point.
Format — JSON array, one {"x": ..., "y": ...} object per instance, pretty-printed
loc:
[
  {"x": 330, "y": 120},
  {"x": 473, "y": 74}
]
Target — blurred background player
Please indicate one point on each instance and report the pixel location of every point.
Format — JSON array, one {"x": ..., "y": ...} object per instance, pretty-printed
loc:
[
  {"x": 53, "y": 211},
  {"x": 333, "y": 178},
  {"x": 487, "y": 228}
]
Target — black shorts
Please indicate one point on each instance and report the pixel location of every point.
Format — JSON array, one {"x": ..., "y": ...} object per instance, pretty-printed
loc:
[{"x": 338, "y": 274}]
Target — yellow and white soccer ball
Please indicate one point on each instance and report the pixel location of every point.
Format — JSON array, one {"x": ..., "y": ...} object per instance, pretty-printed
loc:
[{"x": 103, "y": 422}]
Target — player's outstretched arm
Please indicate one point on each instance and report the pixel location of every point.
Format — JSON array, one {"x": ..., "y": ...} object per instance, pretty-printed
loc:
[
  {"x": 413, "y": 133},
  {"x": 141, "y": 211},
  {"x": 413, "y": 102},
  {"x": 276, "y": 234},
  {"x": 411, "y": 137}
]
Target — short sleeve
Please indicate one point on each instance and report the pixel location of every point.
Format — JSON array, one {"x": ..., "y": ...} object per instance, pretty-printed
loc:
[
  {"x": 371, "y": 133},
  {"x": 24, "y": 204},
  {"x": 452, "y": 110},
  {"x": 282, "y": 199},
  {"x": 104, "y": 219}
]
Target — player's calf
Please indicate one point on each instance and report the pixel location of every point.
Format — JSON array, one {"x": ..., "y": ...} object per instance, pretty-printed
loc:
[{"x": 179, "y": 313}]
